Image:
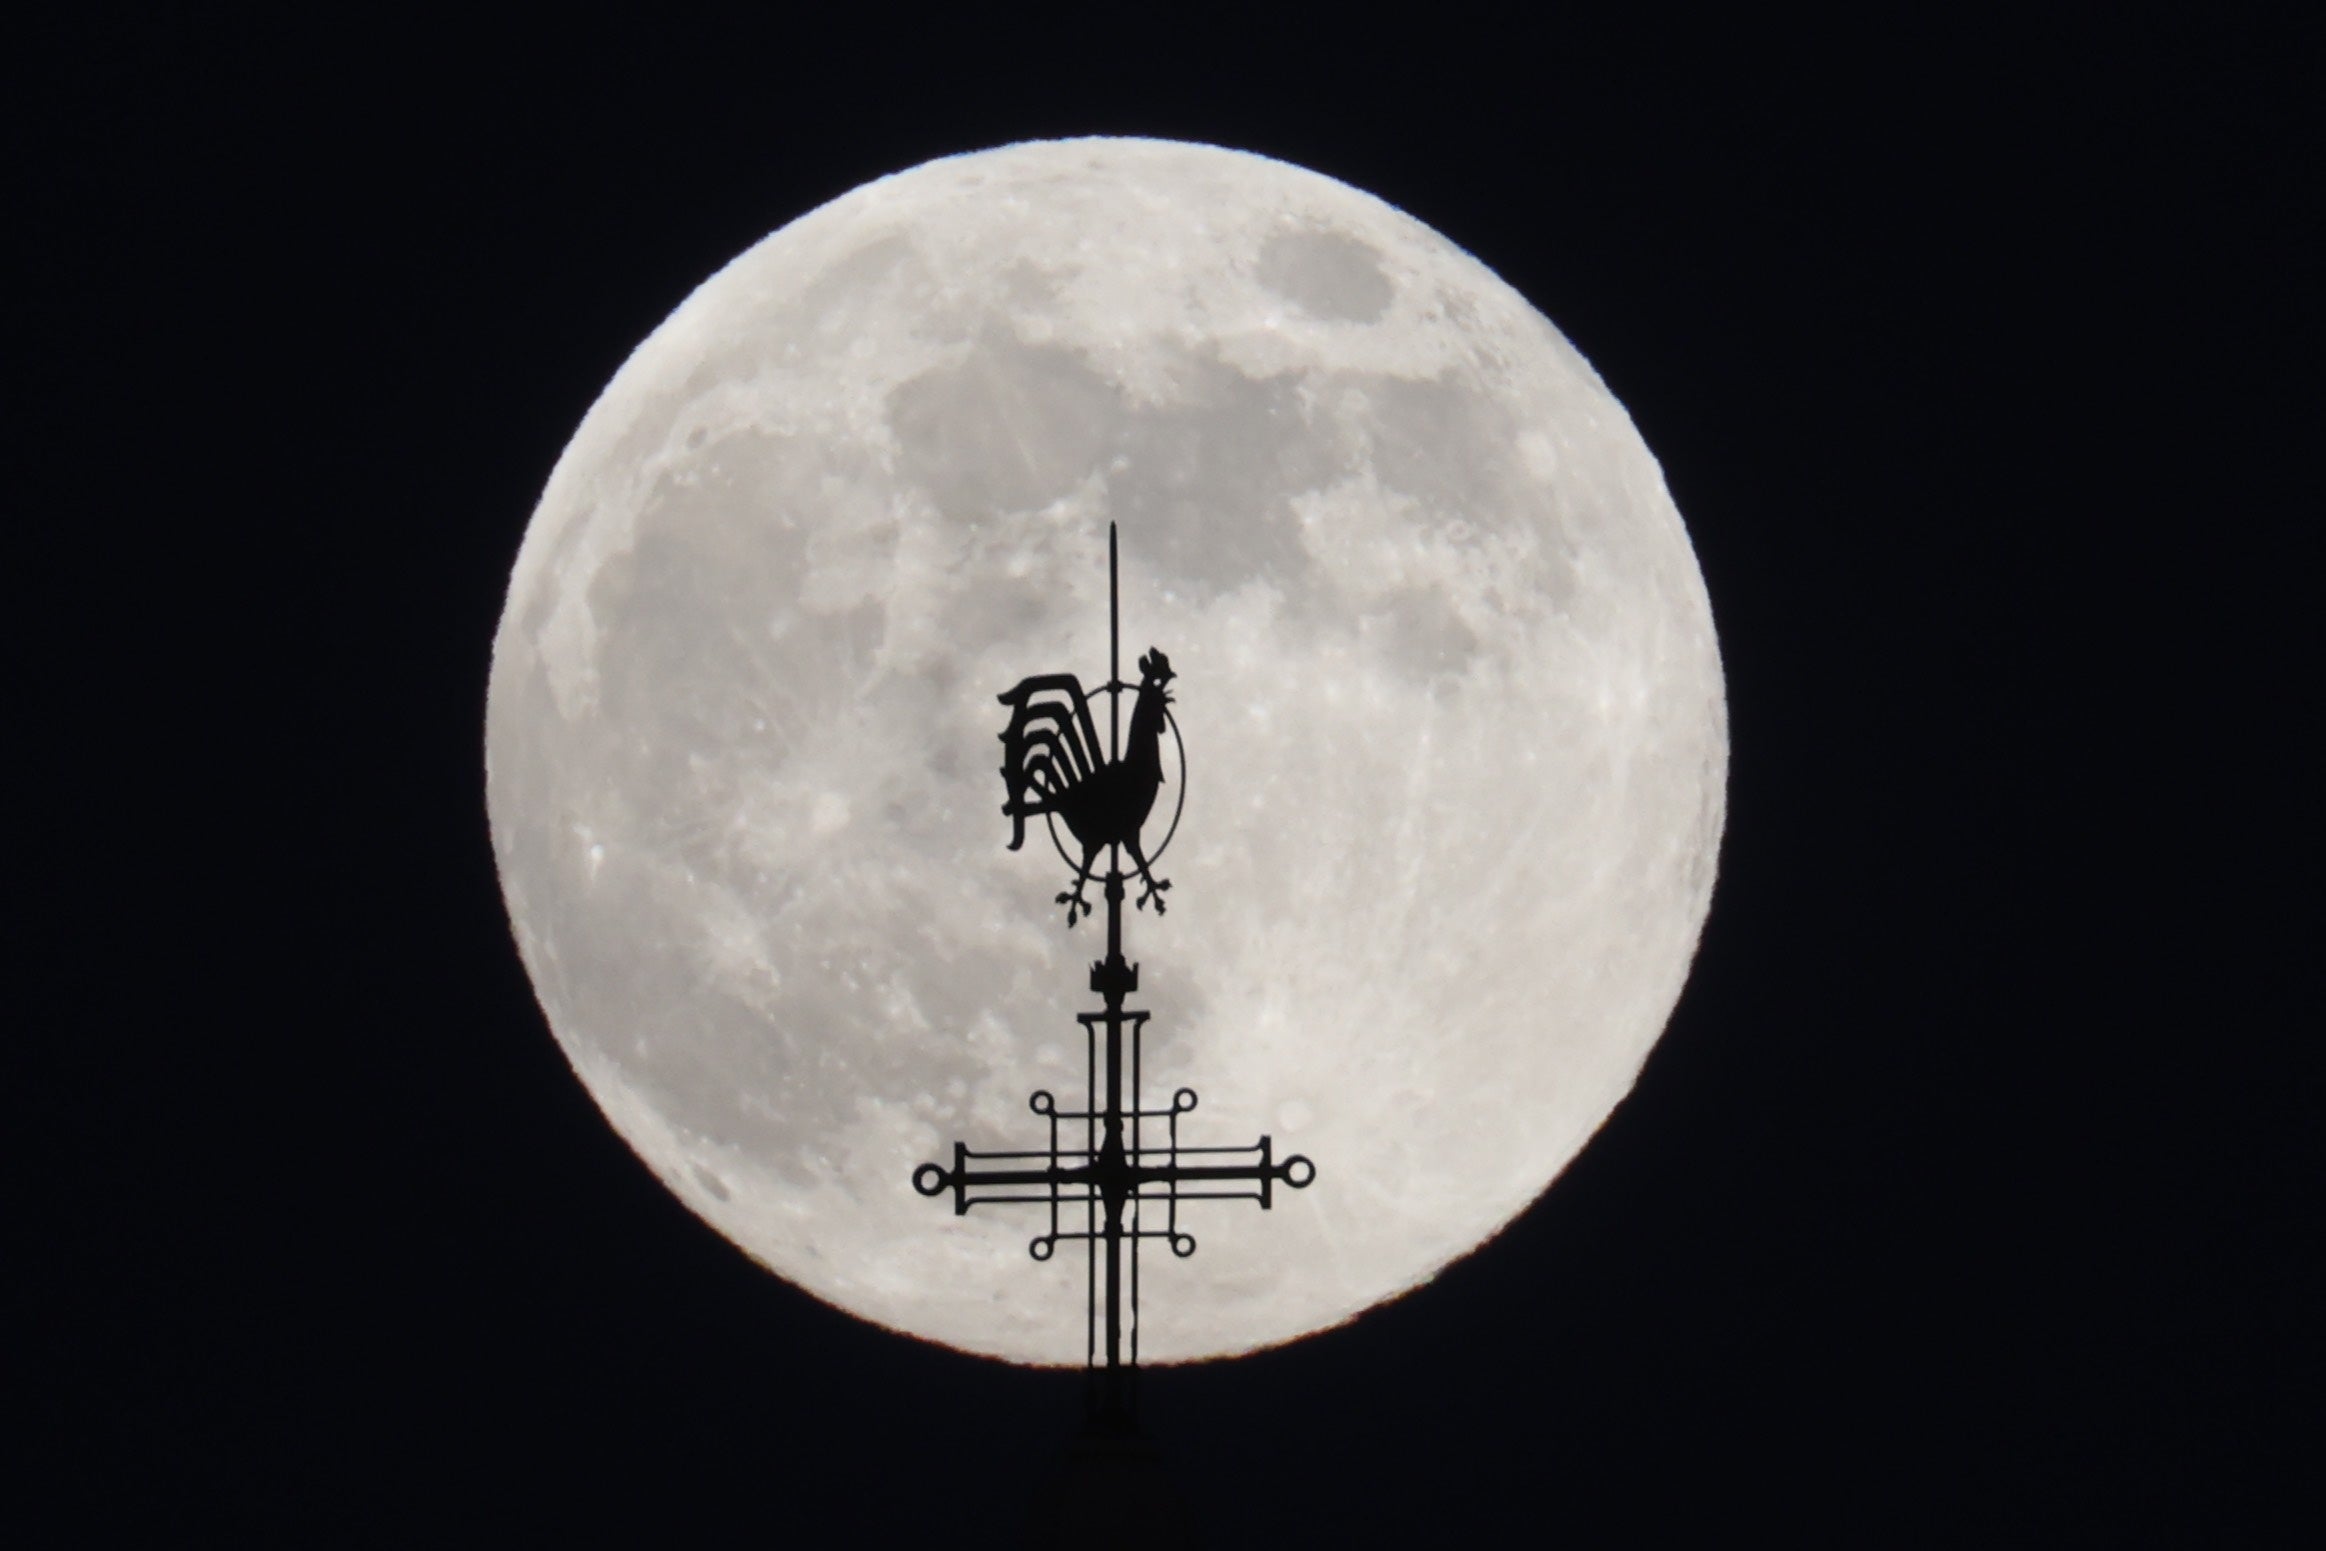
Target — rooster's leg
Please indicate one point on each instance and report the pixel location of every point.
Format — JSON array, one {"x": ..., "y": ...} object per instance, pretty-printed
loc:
[
  {"x": 1155, "y": 886},
  {"x": 1076, "y": 905}
]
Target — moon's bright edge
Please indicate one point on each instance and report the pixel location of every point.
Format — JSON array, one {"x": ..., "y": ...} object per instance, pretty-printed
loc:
[{"x": 1452, "y": 702}]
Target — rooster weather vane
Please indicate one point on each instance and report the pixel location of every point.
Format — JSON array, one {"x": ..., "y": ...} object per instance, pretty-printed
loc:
[{"x": 1114, "y": 1172}]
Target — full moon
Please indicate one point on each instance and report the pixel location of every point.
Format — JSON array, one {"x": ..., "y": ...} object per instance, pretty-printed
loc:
[{"x": 1456, "y": 742}]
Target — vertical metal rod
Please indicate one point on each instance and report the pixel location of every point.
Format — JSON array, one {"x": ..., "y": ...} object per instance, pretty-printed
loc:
[
  {"x": 1112, "y": 1141},
  {"x": 1114, "y": 653},
  {"x": 1138, "y": 1135},
  {"x": 1116, "y": 1401},
  {"x": 1089, "y": 1213}
]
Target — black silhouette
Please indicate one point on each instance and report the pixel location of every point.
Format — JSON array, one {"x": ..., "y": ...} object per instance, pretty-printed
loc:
[
  {"x": 1128, "y": 1181},
  {"x": 1050, "y": 764}
]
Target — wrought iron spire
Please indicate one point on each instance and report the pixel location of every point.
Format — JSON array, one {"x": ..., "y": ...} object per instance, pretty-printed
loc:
[{"x": 1113, "y": 1173}]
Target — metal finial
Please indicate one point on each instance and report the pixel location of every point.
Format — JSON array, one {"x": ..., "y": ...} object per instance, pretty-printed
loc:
[{"x": 1100, "y": 1157}]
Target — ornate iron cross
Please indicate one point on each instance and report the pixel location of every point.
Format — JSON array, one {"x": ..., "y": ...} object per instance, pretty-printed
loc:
[{"x": 1104, "y": 1177}]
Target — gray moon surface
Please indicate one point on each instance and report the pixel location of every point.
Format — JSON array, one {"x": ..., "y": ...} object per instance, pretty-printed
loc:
[{"x": 1451, "y": 698}]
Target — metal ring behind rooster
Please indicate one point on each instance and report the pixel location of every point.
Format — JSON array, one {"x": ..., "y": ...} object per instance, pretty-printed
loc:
[{"x": 1114, "y": 690}]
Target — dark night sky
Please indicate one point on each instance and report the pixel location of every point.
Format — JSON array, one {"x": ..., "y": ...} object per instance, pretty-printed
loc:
[{"x": 1961, "y": 1204}]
